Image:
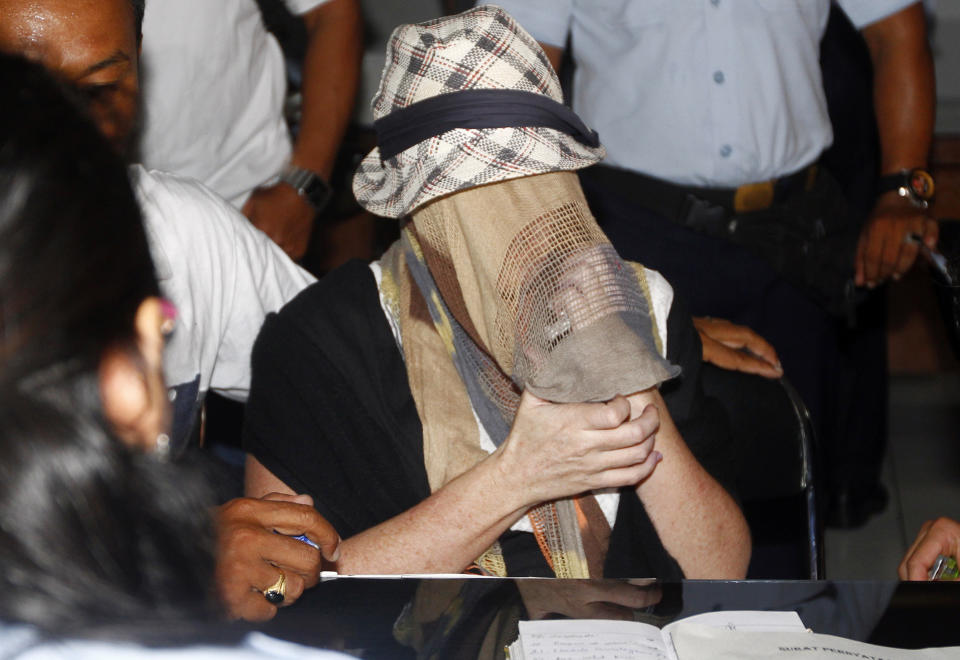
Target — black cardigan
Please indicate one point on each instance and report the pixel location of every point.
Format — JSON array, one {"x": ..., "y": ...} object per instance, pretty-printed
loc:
[{"x": 331, "y": 414}]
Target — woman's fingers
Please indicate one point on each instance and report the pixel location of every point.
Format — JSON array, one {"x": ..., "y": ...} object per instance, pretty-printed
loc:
[
  {"x": 574, "y": 416},
  {"x": 627, "y": 434},
  {"x": 609, "y": 415},
  {"x": 626, "y": 476},
  {"x": 565, "y": 449}
]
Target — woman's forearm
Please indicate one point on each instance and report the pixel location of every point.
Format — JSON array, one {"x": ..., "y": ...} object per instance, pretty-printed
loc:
[
  {"x": 699, "y": 524},
  {"x": 444, "y": 533},
  {"x": 553, "y": 451}
]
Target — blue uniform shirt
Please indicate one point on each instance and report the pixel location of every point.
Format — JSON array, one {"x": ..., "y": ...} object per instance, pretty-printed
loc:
[{"x": 699, "y": 92}]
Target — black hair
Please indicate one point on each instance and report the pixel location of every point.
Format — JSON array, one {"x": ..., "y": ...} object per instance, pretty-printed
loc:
[
  {"x": 74, "y": 259},
  {"x": 93, "y": 534},
  {"x": 138, "y": 8},
  {"x": 97, "y": 539}
]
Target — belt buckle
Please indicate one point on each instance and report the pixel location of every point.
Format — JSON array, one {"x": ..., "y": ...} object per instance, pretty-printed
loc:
[{"x": 753, "y": 197}]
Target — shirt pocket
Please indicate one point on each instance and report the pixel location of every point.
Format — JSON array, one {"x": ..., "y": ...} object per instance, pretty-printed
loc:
[{"x": 629, "y": 13}]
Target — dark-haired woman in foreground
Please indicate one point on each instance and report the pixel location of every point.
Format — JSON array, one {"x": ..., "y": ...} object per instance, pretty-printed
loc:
[{"x": 99, "y": 536}]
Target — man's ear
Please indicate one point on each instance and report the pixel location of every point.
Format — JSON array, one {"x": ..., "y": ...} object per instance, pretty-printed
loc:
[{"x": 131, "y": 382}]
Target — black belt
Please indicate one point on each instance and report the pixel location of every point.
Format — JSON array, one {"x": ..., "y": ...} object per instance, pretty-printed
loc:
[{"x": 680, "y": 203}]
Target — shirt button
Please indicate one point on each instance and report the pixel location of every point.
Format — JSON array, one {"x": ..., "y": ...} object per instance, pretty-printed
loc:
[
  {"x": 172, "y": 394},
  {"x": 725, "y": 151},
  {"x": 718, "y": 77}
]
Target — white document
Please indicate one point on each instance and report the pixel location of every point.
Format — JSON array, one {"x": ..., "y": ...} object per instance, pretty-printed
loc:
[
  {"x": 694, "y": 642},
  {"x": 333, "y": 575},
  {"x": 591, "y": 639}
]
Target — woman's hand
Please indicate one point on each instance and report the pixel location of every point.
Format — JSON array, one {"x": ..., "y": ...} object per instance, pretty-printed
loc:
[
  {"x": 561, "y": 449},
  {"x": 936, "y": 537},
  {"x": 255, "y": 545}
]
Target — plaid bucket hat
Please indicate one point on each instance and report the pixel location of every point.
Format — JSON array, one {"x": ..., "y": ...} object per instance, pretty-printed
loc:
[{"x": 464, "y": 101}]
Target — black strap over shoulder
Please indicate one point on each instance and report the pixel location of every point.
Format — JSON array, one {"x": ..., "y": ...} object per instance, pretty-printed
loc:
[{"x": 476, "y": 109}]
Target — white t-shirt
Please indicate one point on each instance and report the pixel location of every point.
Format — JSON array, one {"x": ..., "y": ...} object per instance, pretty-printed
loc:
[
  {"x": 213, "y": 83},
  {"x": 223, "y": 275},
  {"x": 699, "y": 92}
]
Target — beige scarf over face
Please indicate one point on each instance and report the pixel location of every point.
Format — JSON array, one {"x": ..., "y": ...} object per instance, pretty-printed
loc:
[
  {"x": 524, "y": 268},
  {"x": 546, "y": 303}
]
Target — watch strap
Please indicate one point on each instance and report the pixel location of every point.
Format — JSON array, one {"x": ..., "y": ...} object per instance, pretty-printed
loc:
[
  {"x": 916, "y": 185},
  {"x": 308, "y": 185}
]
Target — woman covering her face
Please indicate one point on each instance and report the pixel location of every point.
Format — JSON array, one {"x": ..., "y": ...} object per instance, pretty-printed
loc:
[{"x": 486, "y": 396}]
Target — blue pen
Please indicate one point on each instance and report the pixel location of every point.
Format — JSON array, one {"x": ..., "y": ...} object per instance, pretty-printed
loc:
[
  {"x": 303, "y": 538},
  {"x": 306, "y": 540}
]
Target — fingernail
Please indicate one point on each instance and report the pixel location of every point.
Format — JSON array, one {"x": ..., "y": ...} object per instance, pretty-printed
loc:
[
  {"x": 658, "y": 456},
  {"x": 779, "y": 366},
  {"x": 336, "y": 553}
]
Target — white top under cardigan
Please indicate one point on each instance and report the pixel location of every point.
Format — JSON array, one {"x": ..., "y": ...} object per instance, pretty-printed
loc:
[{"x": 661, "y": 295}]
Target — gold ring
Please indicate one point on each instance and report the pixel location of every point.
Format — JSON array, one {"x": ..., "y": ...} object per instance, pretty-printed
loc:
[{"x": 277, "y": 591}]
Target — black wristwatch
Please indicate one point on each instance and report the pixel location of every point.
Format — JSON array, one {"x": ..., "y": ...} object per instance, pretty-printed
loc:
[
  {"x": 916, "y": 185},
  {"x": 308, "y": 185}
]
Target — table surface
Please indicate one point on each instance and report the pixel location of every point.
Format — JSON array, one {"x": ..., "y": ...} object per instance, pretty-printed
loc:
[{"x": 473, "y": 618}]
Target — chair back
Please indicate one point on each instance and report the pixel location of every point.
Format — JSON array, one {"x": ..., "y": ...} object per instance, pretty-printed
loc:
[{"x": 775, "y": 454}]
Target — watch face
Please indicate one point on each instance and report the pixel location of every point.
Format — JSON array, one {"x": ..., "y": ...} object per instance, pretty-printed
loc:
[
  {"x": 318, "y": 192},
  {"x": 921, "y": 184}
]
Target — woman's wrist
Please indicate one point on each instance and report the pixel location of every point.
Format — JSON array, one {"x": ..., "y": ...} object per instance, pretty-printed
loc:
[{"x": 507, "y": 485}]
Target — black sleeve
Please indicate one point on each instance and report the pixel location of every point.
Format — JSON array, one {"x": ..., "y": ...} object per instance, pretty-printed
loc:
[
  {"x": 700, "y": 418},
  {"x": 330, "y": 411}
]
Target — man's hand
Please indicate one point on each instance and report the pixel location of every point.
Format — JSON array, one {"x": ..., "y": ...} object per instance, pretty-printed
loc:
[
  {"x": 283, "y": 215},
  {"x": 886, "y": 248},
  {"x": 737, "y": 348},
  {"x": 255, "y": 545},
  {"x": 904, "y": 97},
  {"x": 936, "y": 537}
]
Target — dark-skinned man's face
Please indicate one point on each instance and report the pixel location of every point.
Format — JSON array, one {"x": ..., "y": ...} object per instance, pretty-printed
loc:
[{"x": 91, "y": 44}]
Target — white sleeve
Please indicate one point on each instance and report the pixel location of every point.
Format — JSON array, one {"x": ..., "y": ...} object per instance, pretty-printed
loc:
[
  {"x": 661, "y": 295},
  {"x": 864, "y": 12},
  {"x": 223, "y": 275},
  {"x": 548, "y": 21},
  {"x": 300, "y": 7}
]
